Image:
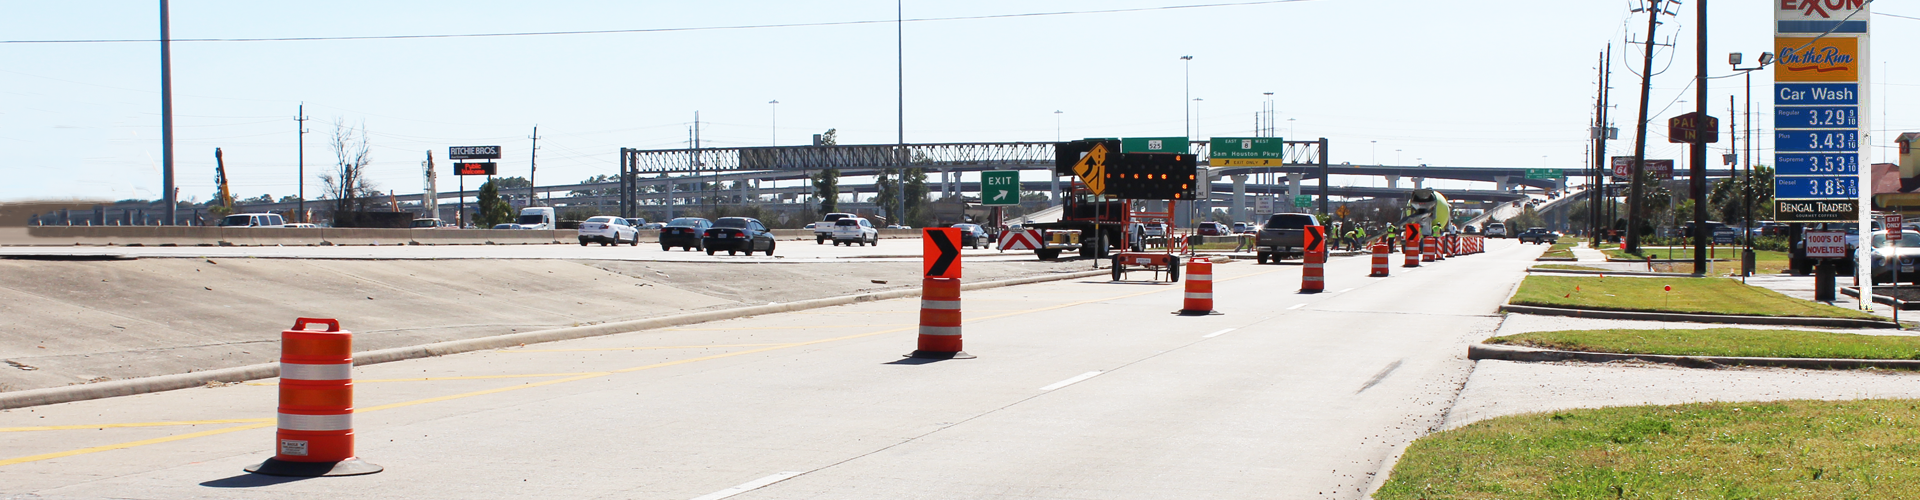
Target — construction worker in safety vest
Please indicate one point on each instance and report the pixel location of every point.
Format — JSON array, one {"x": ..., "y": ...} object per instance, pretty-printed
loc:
[
  {"x": 1361, "y": 239},
  {"x": 1393, "y": 235}
]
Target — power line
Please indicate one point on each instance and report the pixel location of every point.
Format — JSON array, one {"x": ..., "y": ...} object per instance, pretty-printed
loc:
[{"x": 670, "y": 30}]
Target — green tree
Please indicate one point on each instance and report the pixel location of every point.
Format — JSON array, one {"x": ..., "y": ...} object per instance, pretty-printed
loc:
[
  {"x": 492, "y": 209},
  {"x": 886, "y": 193},
  {"x": 826, "y": 186},
  {"x": 1727, "y": 197},
  {"x": 515, "y": 182},
  {"x": 919, "y": 212}
]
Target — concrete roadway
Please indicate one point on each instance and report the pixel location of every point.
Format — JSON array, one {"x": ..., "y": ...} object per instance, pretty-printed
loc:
[{"x": 1082, "y": 389}]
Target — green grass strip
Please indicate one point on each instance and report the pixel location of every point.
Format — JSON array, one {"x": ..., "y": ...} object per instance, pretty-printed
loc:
[
  {"x": 1570, "y": 267},
  {"x": 1776, "y": 450},
  {"x": 1689, "y": 295},
  {"x": 1742, "y": 342},
  {"x": 1564, "y": 250}
]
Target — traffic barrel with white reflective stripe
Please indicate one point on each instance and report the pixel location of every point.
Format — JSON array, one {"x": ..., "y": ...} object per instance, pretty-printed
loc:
[
  {"x": 1411, "y": 245},
  {"x": 1428, "y": 249},
  {"x": 940, "y": 320},
  {"x": 1313, "y": 277},
  {"x": 315, "y": 436},
  {"x": 1380, "y": 260},
  {"x": 1199, "y": 301}
]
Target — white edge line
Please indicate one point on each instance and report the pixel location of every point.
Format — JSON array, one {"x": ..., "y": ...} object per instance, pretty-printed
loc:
[
  {"x": 1218, "y": 333},
  {"x": 1071, "y": 381},
  {"x": 1344, "y": 291},
  {"x": 1297, "y": 306},
  {"x": 750, "y": 486}
]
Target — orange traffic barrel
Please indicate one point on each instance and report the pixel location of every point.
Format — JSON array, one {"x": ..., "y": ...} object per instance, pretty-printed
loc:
[
  {"x": 1379, "y": 260},
  {"x": 1313, "y": 273},
  {"x": 1429, "y": 249},
  {"x": 940, "y": 320},
  {"x": 1199, "y": 301},
  {"x": 315, "y": 436},
  {"x": 1412, "y": 249}
]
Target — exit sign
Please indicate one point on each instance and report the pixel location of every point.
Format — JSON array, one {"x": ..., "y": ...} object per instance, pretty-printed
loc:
[{"x": 1000, "y": 188}]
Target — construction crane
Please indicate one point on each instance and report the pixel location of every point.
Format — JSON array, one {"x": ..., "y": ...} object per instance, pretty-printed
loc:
[{"x": 220, "y": 176}]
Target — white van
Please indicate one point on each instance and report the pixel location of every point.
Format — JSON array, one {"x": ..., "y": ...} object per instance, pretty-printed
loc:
[
  {"x": 536, "y": 218},
  {"x": 252, "y": 220}
]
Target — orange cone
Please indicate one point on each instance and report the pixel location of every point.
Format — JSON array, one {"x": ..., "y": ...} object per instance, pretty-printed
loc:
[{"x": 316, "y": 405}]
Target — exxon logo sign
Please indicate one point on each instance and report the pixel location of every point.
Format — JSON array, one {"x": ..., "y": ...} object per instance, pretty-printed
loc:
[{"x": 1819, "y": 9}]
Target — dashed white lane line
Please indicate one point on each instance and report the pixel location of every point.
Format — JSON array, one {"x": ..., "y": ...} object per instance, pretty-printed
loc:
[
  {"x": 1344, "y": 291},
  {"x": 1216, "y": 334},
  {"x": 1297, "y": 306},
  {"x": 1071, "y": 381},
  {"x": 749, "y": 486}
]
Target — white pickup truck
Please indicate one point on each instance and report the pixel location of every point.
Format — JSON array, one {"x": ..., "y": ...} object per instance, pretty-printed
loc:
[
  {"x": 823, "y": 230},
  {"x": 850, "y": 230}
]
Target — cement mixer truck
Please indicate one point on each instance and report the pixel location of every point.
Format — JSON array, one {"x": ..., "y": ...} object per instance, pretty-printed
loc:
[{"x": 1428, "y": 209}]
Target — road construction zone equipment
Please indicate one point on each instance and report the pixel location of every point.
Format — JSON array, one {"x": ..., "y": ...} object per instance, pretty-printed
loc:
[
  {"x": 940, "y": 320},
  {"x": 1021, "y": 240},
  {"x": 315, "y": 436},
  {"x": 1429, "y": 249},
  {"x": 1379, "y": 260},
  {"x": 1199, "y": 300},
  {"x": 1411, "y": 246}
]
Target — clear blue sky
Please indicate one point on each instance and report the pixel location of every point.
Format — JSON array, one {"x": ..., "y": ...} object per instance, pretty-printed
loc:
[{"x": 1437, "y": 82}]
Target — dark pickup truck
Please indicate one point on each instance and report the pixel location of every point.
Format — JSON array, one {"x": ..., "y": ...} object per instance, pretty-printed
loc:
[
  {"x": 1539, "y": 235},
  {"x": 1284, "y": 236}
]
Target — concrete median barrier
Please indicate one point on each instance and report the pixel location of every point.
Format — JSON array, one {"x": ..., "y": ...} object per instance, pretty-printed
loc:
[{"x": 253, "y": 236}]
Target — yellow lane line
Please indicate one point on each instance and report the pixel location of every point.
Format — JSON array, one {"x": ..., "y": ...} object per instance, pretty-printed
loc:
[
  {"x": 129, "y": 444},
  {"x": 137, "y": 424},
  {"x": 582, "y": 376}
]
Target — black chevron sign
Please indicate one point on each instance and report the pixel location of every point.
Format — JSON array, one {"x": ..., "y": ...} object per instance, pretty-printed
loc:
[{"x": 941, "y": 249}]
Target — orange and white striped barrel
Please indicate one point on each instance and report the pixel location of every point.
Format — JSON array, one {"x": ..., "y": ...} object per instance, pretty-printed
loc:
[
  {"x": 1199, "y": 299},
  {"x": 1313, "y": 278},
  {"x": 1379, "y": 260},
  {"x": 1429, "y": 249},
  {"x": 1411, "y": 245},
  {"x": 940, "y": 319},
  {"x": 316, "y": 393}
]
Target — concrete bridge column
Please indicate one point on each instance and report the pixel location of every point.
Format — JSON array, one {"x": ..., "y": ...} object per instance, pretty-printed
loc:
[
  {"x": 1240, "y": 212},
  {"x": 1419, "y": 182},
  {"x": 1393, "y": 181},
  {"x": 1560, "y": 185},
  {"x": 1293, "y": 188},
  {"x": 1502, "y": 181}
]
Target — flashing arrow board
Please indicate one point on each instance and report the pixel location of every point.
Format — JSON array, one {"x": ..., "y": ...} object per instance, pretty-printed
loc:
[
  {"x": 1000, "y": 188},
  {"x": 1153, "y": 145},
  {"x": 1817, "y": 141},
  {"x": 1246, "y": 148},
  {"x": 941, "y": 252},
  {"x": 1816, "y": 164},
  {"x": 1816, "y": 187},
  {"x": 1787, "y": 94},
  {"x": 1816, "y": 117},
  {"x": 1546, "y": 173}
]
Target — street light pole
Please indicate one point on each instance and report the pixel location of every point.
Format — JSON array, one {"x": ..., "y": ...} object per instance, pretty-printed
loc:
[
  {"x": 775, "y": 129},
  {"x": 1746, "y": 186},
  {"x": 1196, "y": 118},
  {"x": 1189, "y": 103},
  {"x": 1053, "y": 177}
]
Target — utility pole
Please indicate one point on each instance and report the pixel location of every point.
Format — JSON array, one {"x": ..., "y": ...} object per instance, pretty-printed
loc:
[
  {"x": 169, "y": 194},
  {"x": 300, "y": 117},
  {"x": 1698, "y": 180},
  {"x": 430, "y": 202},
  {"x": 533, "y": 165},
  {"x": 1640, "y": 133},
  {"x": 1600, "y": 163}
]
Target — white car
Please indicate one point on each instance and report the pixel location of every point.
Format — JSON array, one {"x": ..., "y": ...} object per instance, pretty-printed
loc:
[
  {"x": 252, "y": 220},
  {"x": 850, "y": 230},
  {"x": 1496, "y": 230},
  {"x": 608, "y": 230}
]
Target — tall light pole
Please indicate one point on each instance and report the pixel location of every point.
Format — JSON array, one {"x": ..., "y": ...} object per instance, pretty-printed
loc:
[
  {"x": 1396, "y": 157},
  {"x": 1290, "y": 132},
  {"x": 1056, "y": 124},
  {"x": 775, "y": 129},
  {"x": 167, "y": 192},
  {"x": 1053, "y": 177},
  {"x": 1196, "y": 118},
  {"x": 1746, "y": 189},
  {"x": 1376, "y": 152},
  {"x": 1189, "y": 73}
]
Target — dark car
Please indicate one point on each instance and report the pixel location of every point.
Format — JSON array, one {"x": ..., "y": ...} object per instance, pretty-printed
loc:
[
  {"x": 1885, "y": 252},
  {"x": 972, "y": 235},
  {"x": 1539, "y": 236},
  {"x": 684, "y": 232},
  {"x": 1283, "y": 236},
  {"x": 1214, "y": 229},
  {"x": 738, "y": 234}
]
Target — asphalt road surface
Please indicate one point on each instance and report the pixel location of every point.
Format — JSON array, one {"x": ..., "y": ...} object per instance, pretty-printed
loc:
[
  {"x": 1082, "y": 389},
  {"x": 784, "y": 251}
]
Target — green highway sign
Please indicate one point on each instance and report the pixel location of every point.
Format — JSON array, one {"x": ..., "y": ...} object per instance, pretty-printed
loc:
[
  {"x": 1247, "y": 148},
  {"x": 1545, "y": 173},
  {"x": 1303, "y": 201},
  {"x": 1000, "y": 188},
  {"x": 1153, "y": 145}
]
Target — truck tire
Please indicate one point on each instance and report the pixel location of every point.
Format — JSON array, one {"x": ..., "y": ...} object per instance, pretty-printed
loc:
[
  {"x": 1173, "y": 271},
  {"x": 1116, "y": 268},
  {"x": 817, "y": 240},
  {"x": 1260, "y": 257},
  {"x": 1096, "y": 249},
  {"x": 1048, "y": 253}
]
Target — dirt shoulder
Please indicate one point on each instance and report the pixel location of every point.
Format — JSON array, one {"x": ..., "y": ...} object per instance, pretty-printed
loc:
[{"x": 75, "y": 322}]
